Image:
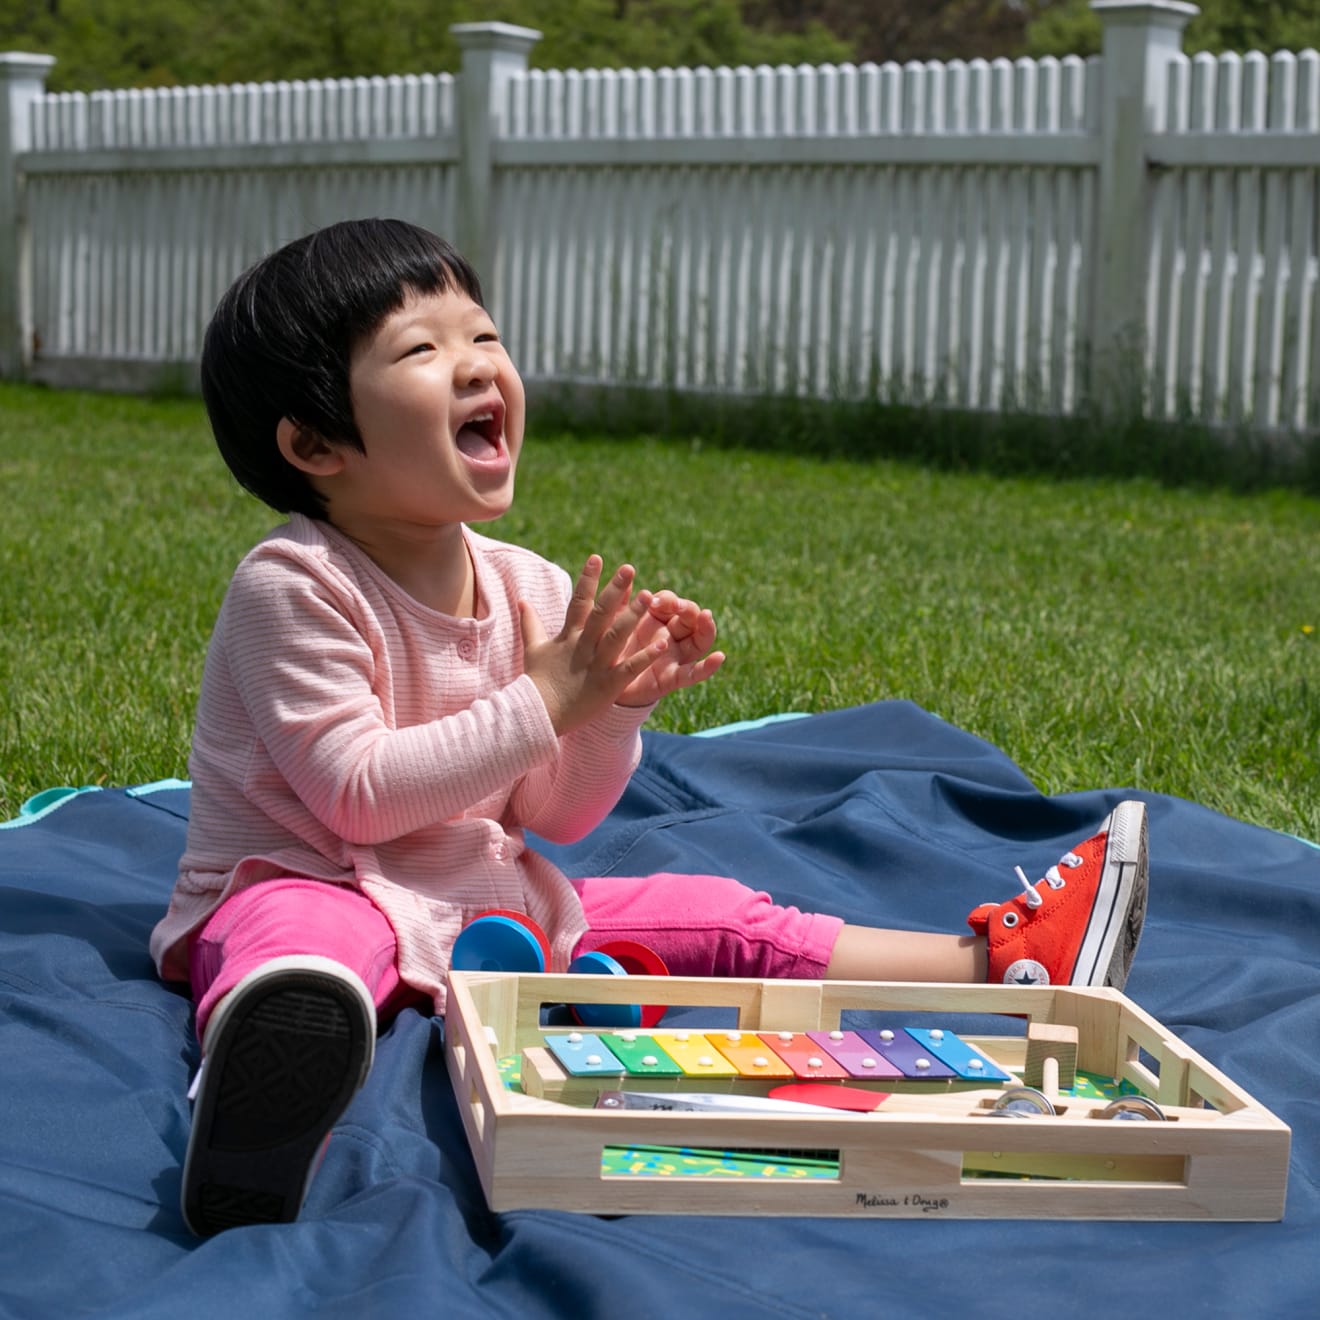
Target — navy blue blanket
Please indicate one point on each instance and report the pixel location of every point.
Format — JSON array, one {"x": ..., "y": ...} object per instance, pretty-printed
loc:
[{"x": 883, "y": 814}]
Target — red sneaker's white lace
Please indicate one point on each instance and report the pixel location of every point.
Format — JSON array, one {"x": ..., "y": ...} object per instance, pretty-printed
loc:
[{"x": 1032, "y": 894}]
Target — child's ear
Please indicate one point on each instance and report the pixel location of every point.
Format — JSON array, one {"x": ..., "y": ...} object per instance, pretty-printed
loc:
[{"x": 308, "y": 450}]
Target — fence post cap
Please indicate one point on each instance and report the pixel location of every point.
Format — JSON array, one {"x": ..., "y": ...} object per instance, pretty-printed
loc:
[
  {"x": 24, "y": 64},
  {"x": 494, "y": 36},
  {"x": 1170, "y": 13}
]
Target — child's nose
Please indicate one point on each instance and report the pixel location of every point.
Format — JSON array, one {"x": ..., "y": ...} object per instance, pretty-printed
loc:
[{"x": 474, "y": 369}]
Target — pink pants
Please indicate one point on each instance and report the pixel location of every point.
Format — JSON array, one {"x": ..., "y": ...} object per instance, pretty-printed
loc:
[{"x": 700, "y": 925}]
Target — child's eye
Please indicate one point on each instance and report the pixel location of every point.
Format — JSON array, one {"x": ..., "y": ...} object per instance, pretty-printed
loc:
[
  {"x": 420, "y": 348},
  {"x": 489, "y": 337}
]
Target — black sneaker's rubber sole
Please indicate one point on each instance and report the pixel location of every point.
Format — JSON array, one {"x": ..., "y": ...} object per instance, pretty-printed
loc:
[{"x": 287, "y": 1058}]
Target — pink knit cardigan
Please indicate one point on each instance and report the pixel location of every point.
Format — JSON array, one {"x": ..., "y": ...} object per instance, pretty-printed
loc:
[{"x": 347, "y": 733}]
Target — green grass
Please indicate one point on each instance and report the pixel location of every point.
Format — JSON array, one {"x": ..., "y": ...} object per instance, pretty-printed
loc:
[{"x": 1104, "y": 632}]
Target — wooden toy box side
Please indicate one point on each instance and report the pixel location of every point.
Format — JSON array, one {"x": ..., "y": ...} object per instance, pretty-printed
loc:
[{"x": 1223, "y": 1155}]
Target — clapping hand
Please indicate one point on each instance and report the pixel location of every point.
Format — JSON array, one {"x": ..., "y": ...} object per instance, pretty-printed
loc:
[
  {"x": 616, "y": 646},
  {"x": 687, "y": 658}
]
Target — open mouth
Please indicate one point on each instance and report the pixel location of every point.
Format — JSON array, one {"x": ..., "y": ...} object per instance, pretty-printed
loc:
[{"x": 479, "y": 436}]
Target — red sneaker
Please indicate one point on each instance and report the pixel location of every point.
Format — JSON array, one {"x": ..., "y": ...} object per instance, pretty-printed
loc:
[{"x": 1081, "y": 923}]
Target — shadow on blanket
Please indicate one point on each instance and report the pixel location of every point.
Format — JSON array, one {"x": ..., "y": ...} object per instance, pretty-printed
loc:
[{"x": 883, "y": 814}]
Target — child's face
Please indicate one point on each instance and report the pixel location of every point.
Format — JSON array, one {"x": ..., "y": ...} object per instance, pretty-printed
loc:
[{"x": 440, "y": 408}]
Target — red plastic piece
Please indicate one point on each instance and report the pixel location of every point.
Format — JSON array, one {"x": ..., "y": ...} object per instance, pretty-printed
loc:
[
  {"x": 637, "y": 960},
  {"x": 824, "y": 1096}
]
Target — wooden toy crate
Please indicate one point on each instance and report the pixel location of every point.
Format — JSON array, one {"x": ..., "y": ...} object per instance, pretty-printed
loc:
[{"x": 1221, "y": 1155}]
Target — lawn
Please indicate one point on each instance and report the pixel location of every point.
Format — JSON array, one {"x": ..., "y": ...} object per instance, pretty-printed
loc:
[{"x": 1104, "y": 633}]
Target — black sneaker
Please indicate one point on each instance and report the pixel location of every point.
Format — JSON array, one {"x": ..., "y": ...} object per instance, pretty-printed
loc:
[{"x": 284, "y": 1053}]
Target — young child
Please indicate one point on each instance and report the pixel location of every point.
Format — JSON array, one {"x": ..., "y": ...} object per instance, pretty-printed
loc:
[{"x": 391, "y": 700}]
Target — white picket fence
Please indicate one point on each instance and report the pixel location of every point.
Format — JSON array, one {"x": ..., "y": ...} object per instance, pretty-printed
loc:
[
  {"x": 1029, "y": 234},
  {"x": 1233, "y": 316},
  {"x": 173, "y": 193},
  {"x": 913, "y": 230}
]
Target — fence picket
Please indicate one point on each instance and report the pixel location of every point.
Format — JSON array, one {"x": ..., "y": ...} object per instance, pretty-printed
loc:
[{"x": 1244, "y": 305}]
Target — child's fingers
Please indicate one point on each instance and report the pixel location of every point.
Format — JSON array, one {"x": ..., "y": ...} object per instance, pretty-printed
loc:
[
  {"x": 611, "y": 598},
  {"x": 665, "y": 604},
  {"x": 648, "y": 626},
  {"x": 583, "y": 600},
  {"x": 688, "y": 622},
  {"x": 693, "y": 634},
  {"x": 689, "y": 675},
  {"x": 700, "y": 630},
  {"x": 707, "y": 667},
  {"x": 635, "y": 665},
  {"x": 627, "y": 634}
]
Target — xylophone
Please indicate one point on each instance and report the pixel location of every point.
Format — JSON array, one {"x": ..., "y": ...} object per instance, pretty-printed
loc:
[
  {"x": 1200, "y": 1146},
  {"x": 571, "y": 1067}
]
